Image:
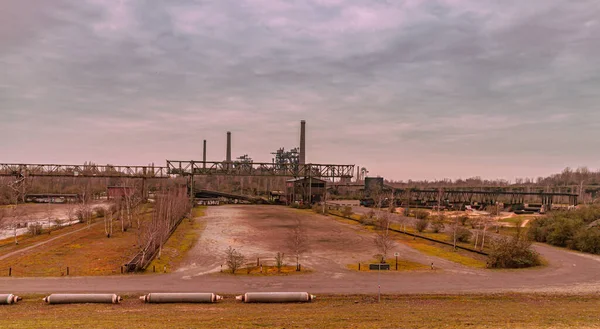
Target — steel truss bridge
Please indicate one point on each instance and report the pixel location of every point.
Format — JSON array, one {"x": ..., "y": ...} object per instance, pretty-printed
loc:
[
  {"x": 192, "y": 168},
  {"x": 177, "y": 168},
  {"x": 469, "y": 196},
  {"x": 82, "y": 171}
]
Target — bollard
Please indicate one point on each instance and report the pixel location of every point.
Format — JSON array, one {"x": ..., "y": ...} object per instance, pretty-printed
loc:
[
  {"x": 359, "y": 266},
  {"x": 121, "y": 269},
  {"x": 276, "y": 297},
  {"x": 154, "y": 268},
  {"x": 67, "y": 271},
  {"x": 10, "y": 271},
  {"x": 83, "y": 298},
  {"x": 257, "y": 261},
  {"x": 165, "y": 269},
  {"x": 299, "y": 267},
  {"x": 180, "y": 298},
  {"x": 9, "y": 299}
]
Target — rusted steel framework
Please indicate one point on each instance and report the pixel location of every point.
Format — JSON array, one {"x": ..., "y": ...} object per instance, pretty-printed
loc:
[
  {"x": 470, "y": 196},
  {"x": 190, "y": 167},
  {"x": 91, "y": 170}
]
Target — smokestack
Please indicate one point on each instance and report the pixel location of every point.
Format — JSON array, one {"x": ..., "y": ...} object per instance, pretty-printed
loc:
[
  {"x": 229, "y": 146},
  {"x": 302, "y": 159},
  {"x": 204, "y": 155}
]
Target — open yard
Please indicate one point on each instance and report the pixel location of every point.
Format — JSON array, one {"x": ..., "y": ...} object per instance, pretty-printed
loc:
[{"x": 329, "y": 311}]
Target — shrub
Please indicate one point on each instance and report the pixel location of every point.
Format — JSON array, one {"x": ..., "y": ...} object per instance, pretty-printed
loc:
[
  {"x": 371, "y": 213},
  {"x": 319, "y": 209},
  {"x": 463, "y": 234},
  {"x": 420, "y": 214},
  {"x": 437, "y": 225},
  {"x": 347, "y": 211},
  {"x": 421, "y": 224},
  {"x": 463, "y": 220},
  {"x": 588, "y": 240},
  {"x": 512, "y": 252},
  {"x": 365, "y": 220},
  {"x": 234, "y": 259},
  {"x": 34, "y": 229},
  {"x": 100, "y": 212}
]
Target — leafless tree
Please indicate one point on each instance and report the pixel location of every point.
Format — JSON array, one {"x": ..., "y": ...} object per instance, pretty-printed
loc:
[
  {"x": 234, "y": 259},
  {"x": 108, "y": 223},
  {"x": 18, "y": 214},
  {"x": 71, "y": 210},
  {"x": 279, "y": 261},
  {"x": 454, "y": 229},
  {"x": 297, "y": 241},
  {"x": 382, "y": 240}
]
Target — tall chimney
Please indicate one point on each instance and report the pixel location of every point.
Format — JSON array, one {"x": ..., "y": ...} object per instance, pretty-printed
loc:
[
  {"x": 204, "y": 155},
  {"x": 302, "y": 159},
  {"x": 229, "y": 146}
]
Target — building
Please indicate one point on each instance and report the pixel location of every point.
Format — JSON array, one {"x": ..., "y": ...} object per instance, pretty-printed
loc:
[{"x": 306, "y": 190}]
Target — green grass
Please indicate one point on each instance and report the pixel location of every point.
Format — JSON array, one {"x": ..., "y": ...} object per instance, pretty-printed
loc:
[
  {"x": 180, "y": 242},
  {"x": 357, "y": 312}
]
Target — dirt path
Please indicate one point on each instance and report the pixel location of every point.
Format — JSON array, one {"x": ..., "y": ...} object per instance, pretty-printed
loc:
[
  {"x": 261, "y": 232},
  {"x": 335, "y": 244},
  {"x": 16, "y": 252}
]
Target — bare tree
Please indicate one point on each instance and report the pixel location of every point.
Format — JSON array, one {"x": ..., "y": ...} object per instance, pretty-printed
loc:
[
  {"x": 297, "y": 241},
  {"x": 234, "y": 259},
  {"x": 382, "y": 240},
  {"x": 108, "y": 223},
  {"x": 279, "y": 261},
  {"x": 18, "y": 214}
]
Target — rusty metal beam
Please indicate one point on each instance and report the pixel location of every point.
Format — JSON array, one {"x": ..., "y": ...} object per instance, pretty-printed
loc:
[
  {"x": 84, "y": 171},
  {"x": 189, "y": 167}
]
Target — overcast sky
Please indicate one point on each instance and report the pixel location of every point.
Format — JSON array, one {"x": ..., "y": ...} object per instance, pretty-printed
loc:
[{"x": 409, "y": 89}]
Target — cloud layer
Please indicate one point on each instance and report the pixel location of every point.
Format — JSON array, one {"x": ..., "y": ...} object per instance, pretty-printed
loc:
[{"x": 408, "y": 89}]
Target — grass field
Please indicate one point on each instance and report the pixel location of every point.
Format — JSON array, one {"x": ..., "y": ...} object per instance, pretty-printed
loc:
[
  {"x": 179, "y": 243},
  {"x": 472, "y": 311},
  {"x": 86, "y": 252},
  {"x": 8, "y": 245},
  {"x": 431, "y": 248}
]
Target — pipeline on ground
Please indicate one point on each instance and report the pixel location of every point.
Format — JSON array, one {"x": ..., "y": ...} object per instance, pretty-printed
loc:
[
  {"x": 7, "y": 299},
  {"x": 83, "y": 298},
  {"x": 180, "y": 298},
  {"x": 276, "y": 297}
]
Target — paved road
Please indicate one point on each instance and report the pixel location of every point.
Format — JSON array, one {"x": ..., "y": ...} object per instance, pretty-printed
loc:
[{"x": 568, "y": 272}]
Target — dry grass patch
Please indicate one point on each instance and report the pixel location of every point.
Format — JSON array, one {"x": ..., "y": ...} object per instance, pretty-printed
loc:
[
  {"x": 86, "y": 252},
  {"x": 357, "y": 312},
  {"x": 180, "y": 242},
  {"x": 403, "y": 265}
]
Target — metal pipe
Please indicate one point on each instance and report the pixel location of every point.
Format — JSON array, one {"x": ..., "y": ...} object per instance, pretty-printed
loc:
[
  {"x": 7, "y": 299},
  {"x": 276, "y": 297},
  {"x": 228, "y": 146},
  {"x": 204, "y": 155},
  {"x": 83, "y": 298},
  {"x": 180, "y": 298},
  {"x": 302, "y": 157}
]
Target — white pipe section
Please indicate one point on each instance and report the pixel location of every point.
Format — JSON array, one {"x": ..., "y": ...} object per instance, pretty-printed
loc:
[
  {"x": 83, "y": 298},
  {"x": 7, "y": 299},
  {"x": 180, "y": 298},
  {"x": 276, "y": 297}
]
